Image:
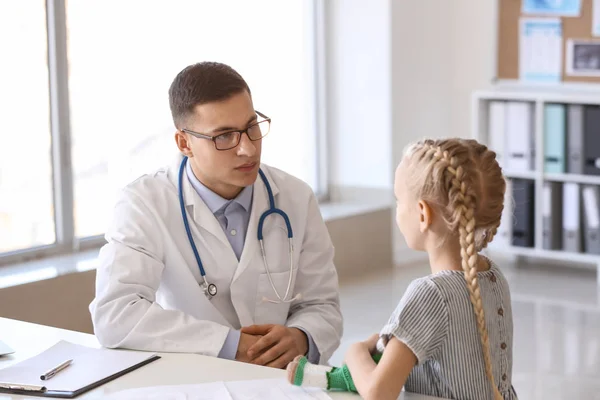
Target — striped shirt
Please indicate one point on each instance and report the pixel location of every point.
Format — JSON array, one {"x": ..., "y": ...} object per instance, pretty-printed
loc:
[{"x": 435, "y": 319}]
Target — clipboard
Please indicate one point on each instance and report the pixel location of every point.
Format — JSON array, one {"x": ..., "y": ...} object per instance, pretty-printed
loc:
[{"x": 90, "y": 369}]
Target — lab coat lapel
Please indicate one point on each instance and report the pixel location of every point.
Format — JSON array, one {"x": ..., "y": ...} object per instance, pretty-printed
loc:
[
  {"x": 203, "y": 218},
  {"x": 260, "y": 204}
]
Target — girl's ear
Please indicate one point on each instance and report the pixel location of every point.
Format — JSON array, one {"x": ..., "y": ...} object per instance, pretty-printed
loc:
[{"x": 425, "y": 216}]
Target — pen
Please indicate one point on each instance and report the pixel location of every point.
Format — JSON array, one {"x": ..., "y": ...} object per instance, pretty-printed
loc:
[{"x": 49, "y": 374}]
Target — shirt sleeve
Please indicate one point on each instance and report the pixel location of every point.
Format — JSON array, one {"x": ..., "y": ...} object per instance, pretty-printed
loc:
[
  {"x": 420, "y": 320},
  {"x": 229, "y": 349},
  {"x": 313, "y": 354}
]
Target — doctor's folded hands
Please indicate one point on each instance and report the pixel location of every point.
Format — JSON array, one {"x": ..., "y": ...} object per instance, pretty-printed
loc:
[{"x": 218, "y": 254}]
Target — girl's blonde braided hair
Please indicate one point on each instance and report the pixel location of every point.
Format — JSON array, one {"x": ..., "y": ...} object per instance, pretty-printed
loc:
[{"x": 464, "y": 181}]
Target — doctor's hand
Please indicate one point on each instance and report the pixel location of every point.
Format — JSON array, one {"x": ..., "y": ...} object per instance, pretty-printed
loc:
[
  {"x": 246, "y": 341},
  {"x": 278, "y": 346}
]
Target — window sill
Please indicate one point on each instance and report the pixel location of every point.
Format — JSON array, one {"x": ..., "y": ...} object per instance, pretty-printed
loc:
[{"x": 52, "y": 267}]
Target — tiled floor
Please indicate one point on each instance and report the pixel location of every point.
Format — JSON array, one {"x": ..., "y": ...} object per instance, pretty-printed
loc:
[{"x": 556, "y": 318}]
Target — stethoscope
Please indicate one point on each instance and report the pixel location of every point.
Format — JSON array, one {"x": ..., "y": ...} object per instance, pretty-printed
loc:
[{"x": 210, "y": 289}]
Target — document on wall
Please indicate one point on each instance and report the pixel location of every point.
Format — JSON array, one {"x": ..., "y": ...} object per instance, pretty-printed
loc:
[
  {"x": 540, "y": 50},
  {"x": 264, "y": 389},
  {"x": 562, "y": 8},
  {"x": 596, "y": 18}
]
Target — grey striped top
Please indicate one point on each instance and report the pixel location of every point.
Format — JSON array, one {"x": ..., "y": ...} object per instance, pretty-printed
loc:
[{"x": 435, "y": 319}]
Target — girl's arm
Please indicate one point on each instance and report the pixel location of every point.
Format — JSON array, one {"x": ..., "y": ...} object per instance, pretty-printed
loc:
[{"x": 384, "y": 380}]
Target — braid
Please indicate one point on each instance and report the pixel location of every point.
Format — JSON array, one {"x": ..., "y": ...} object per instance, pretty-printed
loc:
[{"x": 462, "y": 202}]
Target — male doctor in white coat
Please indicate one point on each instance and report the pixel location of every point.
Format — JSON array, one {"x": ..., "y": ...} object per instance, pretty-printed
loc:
[{"x": 149, "y": 289}]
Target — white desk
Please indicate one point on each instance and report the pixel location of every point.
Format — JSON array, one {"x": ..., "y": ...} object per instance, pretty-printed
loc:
[{"x": 172, "y": 369}]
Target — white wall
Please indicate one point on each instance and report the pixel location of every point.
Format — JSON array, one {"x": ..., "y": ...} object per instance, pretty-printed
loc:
[
  {"x": 474, "y": 47},
  {"x": 441, "y": 53},
  {"x": 422, "y": 73},
  {"x": 359, "y": 92},
  {"x": 400, "y": 71}
]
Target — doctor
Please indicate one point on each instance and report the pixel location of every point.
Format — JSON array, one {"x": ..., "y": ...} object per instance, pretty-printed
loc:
[{"x": 154, "y": 293}]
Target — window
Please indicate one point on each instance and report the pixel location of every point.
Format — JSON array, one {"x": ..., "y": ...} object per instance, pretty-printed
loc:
[
  {"x": 26, "y": 205},
  {"x": 122, "y": 56}
]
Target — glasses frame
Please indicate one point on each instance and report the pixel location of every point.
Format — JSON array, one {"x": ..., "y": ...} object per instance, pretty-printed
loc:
[{"x": 241, "y": 132}]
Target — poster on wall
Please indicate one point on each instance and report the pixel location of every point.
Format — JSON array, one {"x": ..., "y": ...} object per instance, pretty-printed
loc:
[
  {"x": 596, "y": 18},
  {"x": 540, "y": 50},
  {"x": 583, "y": 58},
  {"x": 559, "y": 8}
]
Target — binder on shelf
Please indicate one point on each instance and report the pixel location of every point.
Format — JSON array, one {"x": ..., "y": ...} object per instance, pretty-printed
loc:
[
  {"x": 591, "y": 145},
  {"x": 520, "y": 148},
  {"x": 575, "y": 139},
  {"x": 524, "y": 201},
  {"x": 591, "y": 220},
  {"x": 555, "y": 124},
  {"x": 571, "y": 218},
  {"x": 504, "y": 234},
  {"x": 552, "y": 216},
  {"x": 496, "y": 129}
]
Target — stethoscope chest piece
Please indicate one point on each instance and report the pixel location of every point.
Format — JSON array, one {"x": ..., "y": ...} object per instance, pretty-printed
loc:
[{"x": 210, "y": 289}]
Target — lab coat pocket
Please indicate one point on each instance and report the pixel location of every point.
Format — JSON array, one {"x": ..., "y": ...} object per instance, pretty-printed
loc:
[{"x": 269, "y": 309}]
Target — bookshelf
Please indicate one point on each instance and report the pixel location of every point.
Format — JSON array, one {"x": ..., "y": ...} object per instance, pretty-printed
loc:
[{"x": 538, "y": 97}]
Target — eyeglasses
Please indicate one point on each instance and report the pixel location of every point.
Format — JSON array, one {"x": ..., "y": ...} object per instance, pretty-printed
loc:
[{"x": 230, "y": 139}]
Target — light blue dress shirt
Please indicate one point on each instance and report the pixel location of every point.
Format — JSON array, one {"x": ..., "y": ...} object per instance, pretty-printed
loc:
[{"x": 234, "y": 216}]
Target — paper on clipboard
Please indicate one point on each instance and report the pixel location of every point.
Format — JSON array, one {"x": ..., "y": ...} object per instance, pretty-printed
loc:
[
  {"x": 90, "y": 367},
  {"x": 540, "y": 50}
]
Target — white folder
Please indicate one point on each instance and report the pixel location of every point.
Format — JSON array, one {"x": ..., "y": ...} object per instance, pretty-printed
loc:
[
  {"x": 571, "y": 218},
  {"x": 591, "y": 220},
  {"x": 520, "y": 148},
  {"x": 496, "y": 129}
]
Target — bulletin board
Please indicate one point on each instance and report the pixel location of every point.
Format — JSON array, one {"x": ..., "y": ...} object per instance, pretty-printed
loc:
[{"x": 508, "y": 38}]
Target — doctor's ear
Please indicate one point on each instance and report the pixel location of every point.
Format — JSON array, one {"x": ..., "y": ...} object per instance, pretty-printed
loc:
[
  {"x": 183, "y": 144},
  {"x": 425, "y": 216}
]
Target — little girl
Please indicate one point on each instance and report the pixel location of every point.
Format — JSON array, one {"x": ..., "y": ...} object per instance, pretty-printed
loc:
[{"x": 451, "y": 334}]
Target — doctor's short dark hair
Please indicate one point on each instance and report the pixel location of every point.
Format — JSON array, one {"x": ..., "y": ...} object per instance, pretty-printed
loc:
[{"x": 202, "y": 83}]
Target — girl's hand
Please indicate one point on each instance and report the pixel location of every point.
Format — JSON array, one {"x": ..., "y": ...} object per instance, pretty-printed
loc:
[
  {"x": 371, "y": 343},
  {"x": 368, "y": 346}
]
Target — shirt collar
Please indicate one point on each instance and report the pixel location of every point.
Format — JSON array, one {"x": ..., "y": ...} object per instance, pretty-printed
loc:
[{"x": 213, "y": 201}]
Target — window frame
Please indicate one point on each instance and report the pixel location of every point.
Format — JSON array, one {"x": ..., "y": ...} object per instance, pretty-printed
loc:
[{"x": 62, "y": 169}]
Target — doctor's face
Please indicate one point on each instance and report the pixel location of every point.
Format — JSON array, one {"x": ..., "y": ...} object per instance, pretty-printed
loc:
[{"x": 225, "y": 172}]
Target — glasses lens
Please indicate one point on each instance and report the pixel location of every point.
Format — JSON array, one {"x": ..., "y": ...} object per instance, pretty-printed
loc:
[
  {"x": 259, "y": 130},
  {"x": 227, "y": 140}
]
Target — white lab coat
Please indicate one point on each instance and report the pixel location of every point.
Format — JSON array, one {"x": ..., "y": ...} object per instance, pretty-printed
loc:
[{"x": 147, "y": 291}]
